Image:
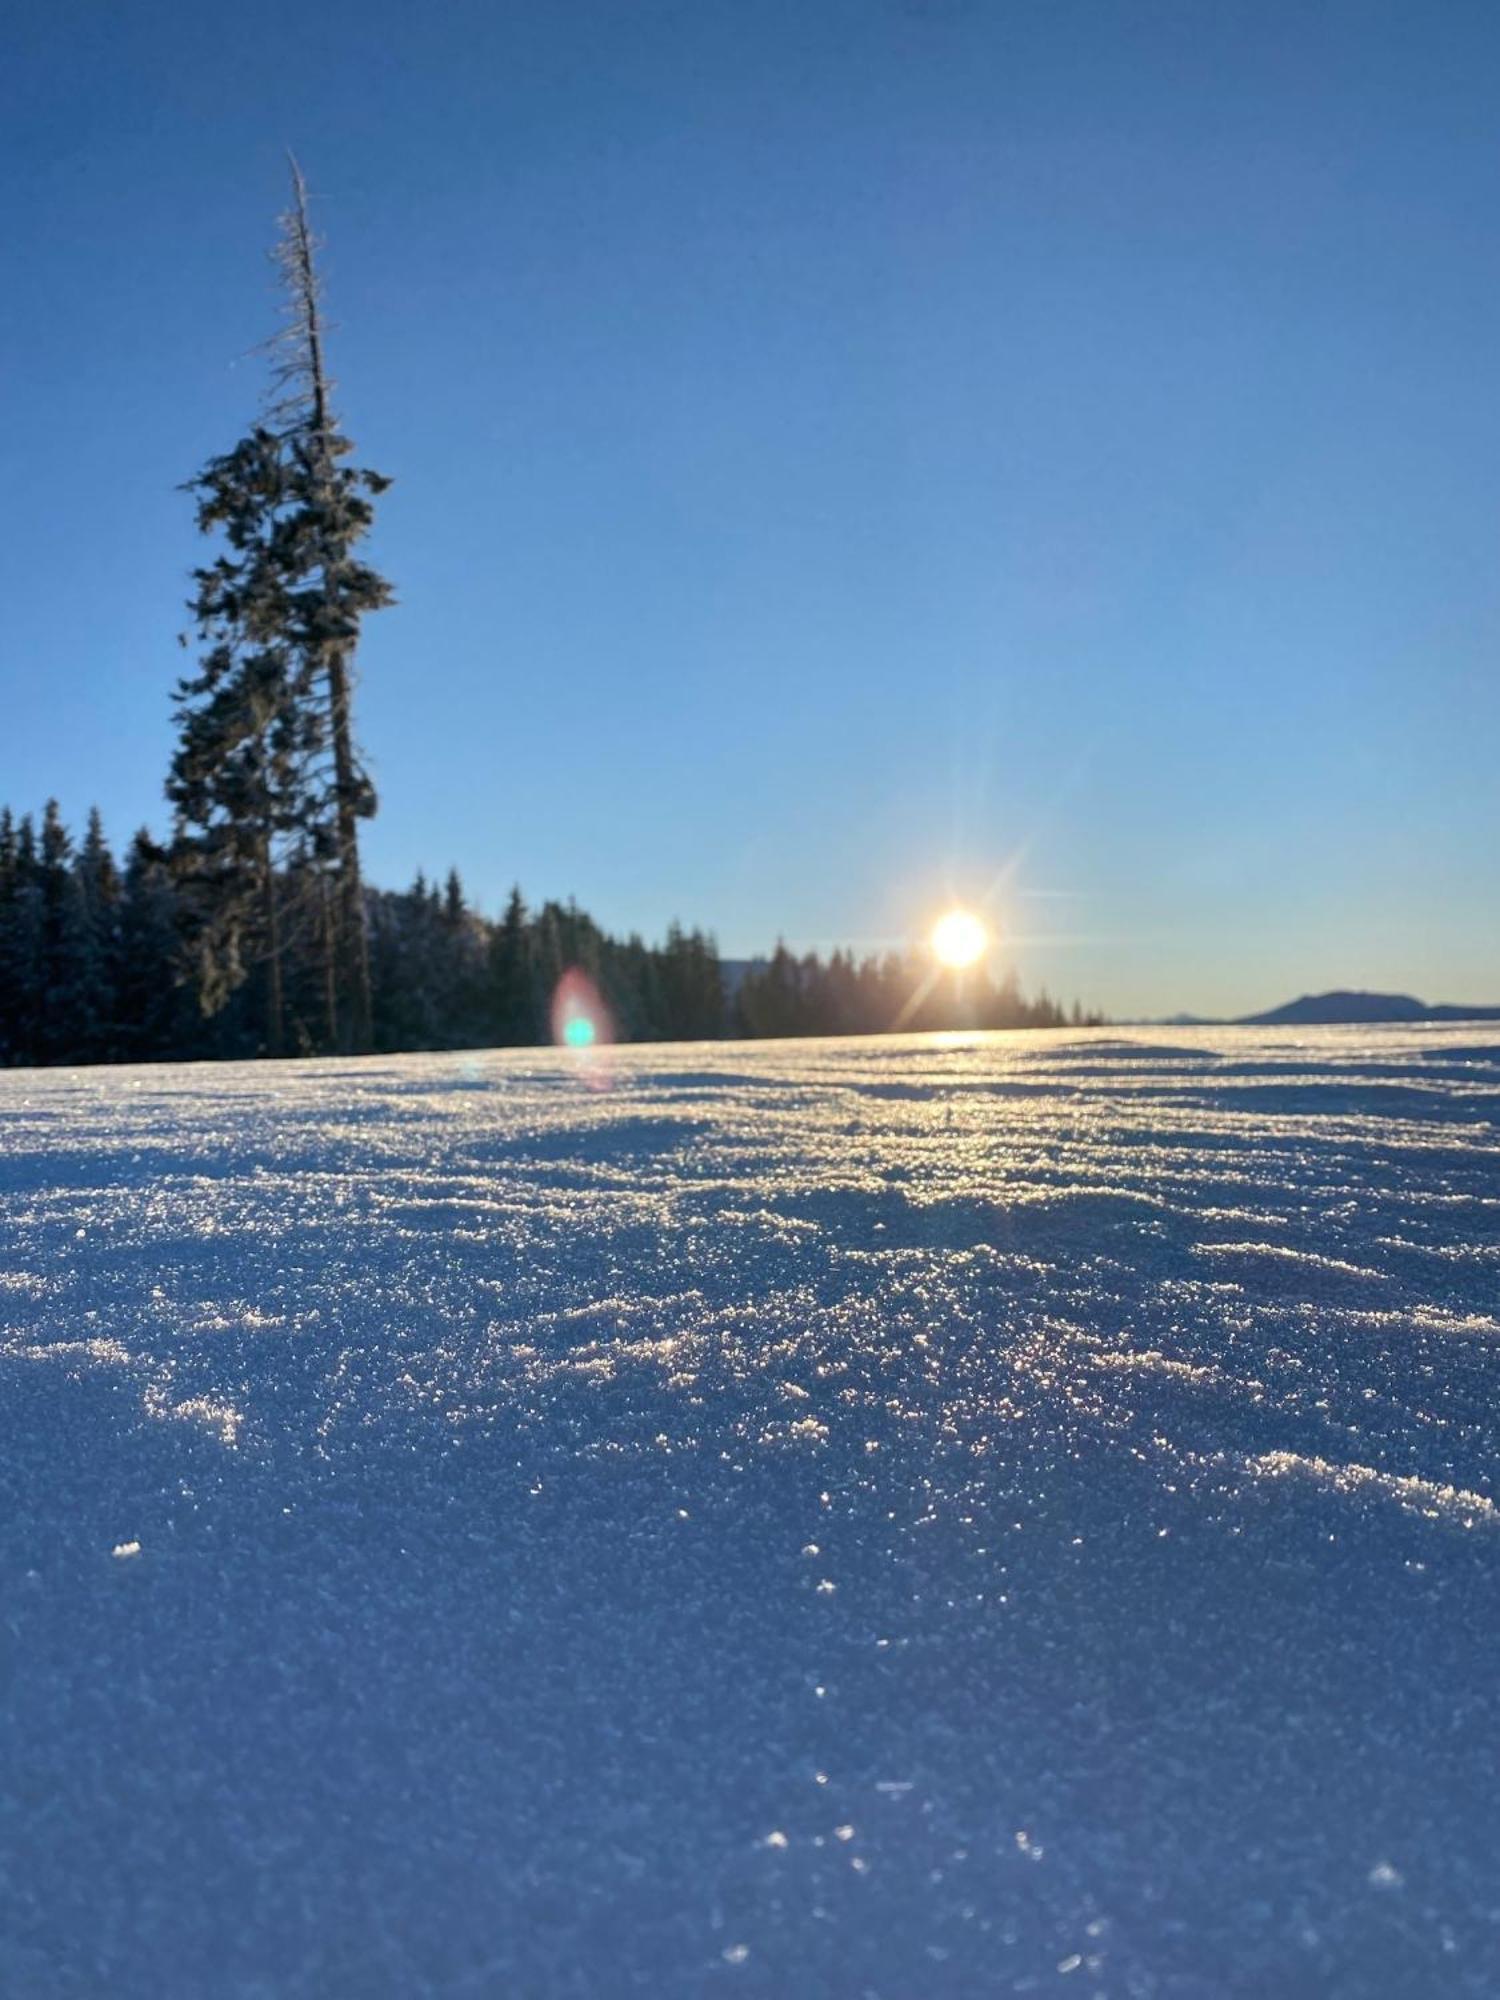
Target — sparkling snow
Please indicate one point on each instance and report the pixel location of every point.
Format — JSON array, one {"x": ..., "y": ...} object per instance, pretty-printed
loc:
[{"x": 929, "y": 1517}]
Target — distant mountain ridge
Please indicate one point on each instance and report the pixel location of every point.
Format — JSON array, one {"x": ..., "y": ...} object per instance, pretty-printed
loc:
[{"x": 1333, "y": 1009}]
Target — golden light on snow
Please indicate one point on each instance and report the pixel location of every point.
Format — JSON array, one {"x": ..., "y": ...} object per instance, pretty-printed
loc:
[{"x": 959, "y": 939}]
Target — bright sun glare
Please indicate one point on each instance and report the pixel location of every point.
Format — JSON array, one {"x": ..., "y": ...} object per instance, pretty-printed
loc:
[{"x": 958, "y": 939}]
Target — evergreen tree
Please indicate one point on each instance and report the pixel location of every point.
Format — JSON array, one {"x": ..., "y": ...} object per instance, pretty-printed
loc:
[
  {"x": 99, "y": 898},
  {"x": 239, "y": 779},
  {"x": 16, "y": 973},
  {"x": 511, "y": 1008},
  {"x": 771, "y": 997},
  {"x": 325, "y": 513},
  {"x": 635, "y": 991},
  {"x": 267, "y": 783},
  {"x": 691, "y": 991},
  {"x": 27, "y": 968},
  {"x": 466, "y": 955},
  {"x": 64, "y": 998},
  {"x": 409, "y": 969},
  {"x": 151, "y": 1018}
]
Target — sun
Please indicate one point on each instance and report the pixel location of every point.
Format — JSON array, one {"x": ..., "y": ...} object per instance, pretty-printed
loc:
[{"x": 959, "y": 939}]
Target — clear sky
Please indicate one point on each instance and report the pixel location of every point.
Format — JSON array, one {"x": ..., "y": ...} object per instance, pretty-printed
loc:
[{"x": 848, "y": 452}]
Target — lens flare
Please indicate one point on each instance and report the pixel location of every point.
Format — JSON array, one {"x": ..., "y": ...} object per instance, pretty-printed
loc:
[
  {"x": 580, "y": 1019},
  {"x": 959, "y": 939}
]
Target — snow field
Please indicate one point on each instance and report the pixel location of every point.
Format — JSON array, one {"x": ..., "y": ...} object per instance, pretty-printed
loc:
[{"x": 921, "y": 1517}]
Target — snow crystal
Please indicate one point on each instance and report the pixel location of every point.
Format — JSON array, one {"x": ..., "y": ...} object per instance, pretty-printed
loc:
[{"x": 1427, "y": 1496}]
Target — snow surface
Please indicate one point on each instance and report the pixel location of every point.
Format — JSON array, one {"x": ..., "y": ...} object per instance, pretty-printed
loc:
[{"x": 939, "y": 1516}]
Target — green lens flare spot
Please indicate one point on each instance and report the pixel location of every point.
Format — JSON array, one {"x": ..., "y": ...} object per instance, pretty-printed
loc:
[{"x": 579, "y": 1032}]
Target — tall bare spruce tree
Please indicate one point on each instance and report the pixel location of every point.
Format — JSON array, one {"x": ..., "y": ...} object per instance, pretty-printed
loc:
[
  {"x": 333, "y": 515},
  {"x": 268, "y": 782}
]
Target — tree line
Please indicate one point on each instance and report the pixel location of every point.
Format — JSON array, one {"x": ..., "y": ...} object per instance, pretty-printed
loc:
[
  {"x": 93, "y": 969},
  {"x": 250, "y": 930},
  {"x": 93, "y": 964},
  {"x": 876, "y": 995}
]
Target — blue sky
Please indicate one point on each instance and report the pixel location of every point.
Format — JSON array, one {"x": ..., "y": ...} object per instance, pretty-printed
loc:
[{"x": 847, "y": 454}]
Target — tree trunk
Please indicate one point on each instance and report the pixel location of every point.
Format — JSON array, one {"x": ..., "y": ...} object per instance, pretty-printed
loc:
[
  {"x": 354, "y": 949},
  {"x": 330, "y": 966},
  {"x": 352, "y": 946},
  {"x": 275, "y": 1029}
]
